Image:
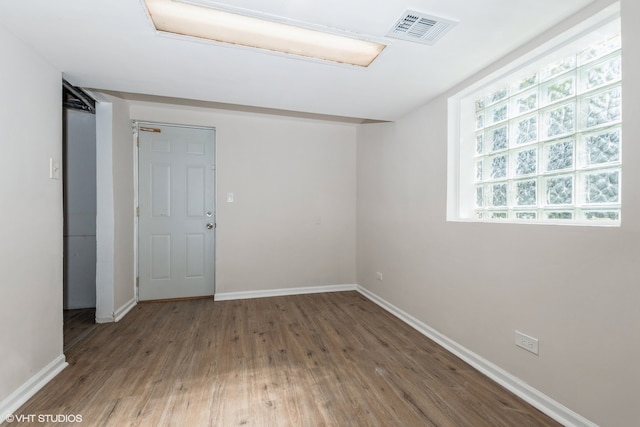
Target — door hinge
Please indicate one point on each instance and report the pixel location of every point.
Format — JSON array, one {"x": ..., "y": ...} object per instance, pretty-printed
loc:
[
  {"x": 138, "y": 211},
  {"x": 137, "y": 281},
  {"x": 138, "y": 141}
]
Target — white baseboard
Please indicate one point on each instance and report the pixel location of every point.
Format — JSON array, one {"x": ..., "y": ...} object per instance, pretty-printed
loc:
[
  {"x": 117, "y": 315},
  {"x": 122, "y": 311},
  {"x": 283, "y": 292},
  {"x": 534, "y": 397},
  {"x": 28, "y": 389}
]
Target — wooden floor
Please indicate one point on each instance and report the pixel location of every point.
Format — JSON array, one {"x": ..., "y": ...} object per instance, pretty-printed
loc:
[
  {"x": 77, "y": 325},
  {"x": 332, "y": 359}
]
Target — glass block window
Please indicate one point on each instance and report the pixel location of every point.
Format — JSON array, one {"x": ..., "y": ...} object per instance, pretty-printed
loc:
[{"x": 548, "y": 143}]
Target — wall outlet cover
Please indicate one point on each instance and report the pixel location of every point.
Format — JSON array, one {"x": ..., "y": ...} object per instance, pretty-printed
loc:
[{"x": 527, "y": 342}]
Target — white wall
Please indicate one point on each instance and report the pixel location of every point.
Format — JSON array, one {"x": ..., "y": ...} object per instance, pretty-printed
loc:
[
  {"x": 79, "y": 209},
  {"x": 105, "y": 222},
  {"x": 123, "y": 205},
  {"x": 292, "y": 223},
  {"x": 115, "y": 235},
  {"x": 31, "y": 213},
  {"x": 574, "y": 288}
]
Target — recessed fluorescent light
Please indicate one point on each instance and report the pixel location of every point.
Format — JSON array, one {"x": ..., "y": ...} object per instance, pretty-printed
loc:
[{"x": 212, "y": 24}]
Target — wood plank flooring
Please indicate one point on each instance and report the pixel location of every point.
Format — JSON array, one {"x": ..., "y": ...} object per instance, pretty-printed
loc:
[
  {"x": 77, "y": 325},
  {"x": 333, "y": 359}
]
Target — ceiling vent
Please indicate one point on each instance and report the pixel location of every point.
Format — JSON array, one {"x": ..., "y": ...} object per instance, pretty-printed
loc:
[{"x": 420, "y": 28}]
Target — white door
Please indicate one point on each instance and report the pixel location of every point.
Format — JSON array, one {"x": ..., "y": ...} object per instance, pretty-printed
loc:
[{"x": 176, "y": 196}]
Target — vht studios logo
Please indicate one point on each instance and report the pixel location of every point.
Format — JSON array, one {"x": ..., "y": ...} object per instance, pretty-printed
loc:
[{"x": 43, "y": 418}]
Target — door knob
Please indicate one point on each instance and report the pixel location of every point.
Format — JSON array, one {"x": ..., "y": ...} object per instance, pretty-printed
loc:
[{"x": 209, "y": 226}]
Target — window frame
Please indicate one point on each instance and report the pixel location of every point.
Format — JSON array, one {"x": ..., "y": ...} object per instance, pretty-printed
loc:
[{"x": 461, "y": 171}]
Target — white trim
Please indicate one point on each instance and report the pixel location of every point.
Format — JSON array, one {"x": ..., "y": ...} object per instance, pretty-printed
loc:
[
  {"x": 136, "y": 208},
  {"x": 31, "y": 387},
  {"x": 117, "y": 315},
  {"x": 122, "y": 311},
  {"x": 283, "y": 292},
  {"x": 544, "y": 403}
]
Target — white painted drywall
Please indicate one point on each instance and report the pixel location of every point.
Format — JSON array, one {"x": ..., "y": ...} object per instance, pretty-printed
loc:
[
  {"x": 31, "y": 213},
  {"x": 105, "y": 222},
  {"x": 79, "y": 209},
  {"x": 115, "y": 280},
  {"x": 292, "y": 222},
  {"x": 123, "y": 206},
  {"x": 576, "y": 289}
]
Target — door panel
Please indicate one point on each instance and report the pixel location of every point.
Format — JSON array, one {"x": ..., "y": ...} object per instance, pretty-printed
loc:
[
  {"x": 160, "y": 256},
  {"x": 196, "y": 255},
  {"x": 177, "y": 201},
  {"x": 195, "y": 191},
  {"x": 160, "y": 190}
]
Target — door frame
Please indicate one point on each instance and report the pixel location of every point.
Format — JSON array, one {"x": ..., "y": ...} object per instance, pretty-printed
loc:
[{"x": 135, "y": 125}]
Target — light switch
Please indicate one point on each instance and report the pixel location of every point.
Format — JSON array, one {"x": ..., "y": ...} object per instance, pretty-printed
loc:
[
  {"x": 54, "y": 168},
  {"x": 229, "y": 197}
]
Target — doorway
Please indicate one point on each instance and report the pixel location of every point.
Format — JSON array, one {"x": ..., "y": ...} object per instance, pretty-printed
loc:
[
  {"x": 176, "y": 223},
  {"x": 79, "y": 212}
]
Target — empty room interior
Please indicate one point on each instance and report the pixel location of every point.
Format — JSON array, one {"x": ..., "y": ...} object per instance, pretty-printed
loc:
[{"x": 308, "y": 213}]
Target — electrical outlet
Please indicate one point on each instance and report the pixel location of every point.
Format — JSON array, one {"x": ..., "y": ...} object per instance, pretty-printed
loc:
[
  {"x": 527, "y": 342},
  {"x": 379, "y": 276}
]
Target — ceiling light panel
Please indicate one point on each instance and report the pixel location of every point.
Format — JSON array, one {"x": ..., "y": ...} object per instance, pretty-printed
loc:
[{"x": 227, "y": 27}]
